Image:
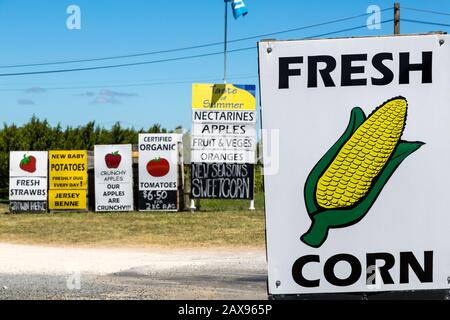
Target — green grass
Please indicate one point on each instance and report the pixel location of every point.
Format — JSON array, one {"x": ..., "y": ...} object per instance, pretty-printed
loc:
[
  {"x": 230, "y": 205},
  {"x": 220, "y": 223}
]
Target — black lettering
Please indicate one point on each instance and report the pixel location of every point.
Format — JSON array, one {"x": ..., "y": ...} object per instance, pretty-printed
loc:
[
  {"x": 297, "y": 271},
  {"x": 285, "y": 72},
  {"x": 426, "y": 67},
  {"x": 389, "y": 262},
  {"x": 425, "y": 274},
  {"x": 388, "y": 75},
  {"x": 355, "y": 273},
  {"x": 348, "y": 70},
  {"x": 324, "y": 73}
]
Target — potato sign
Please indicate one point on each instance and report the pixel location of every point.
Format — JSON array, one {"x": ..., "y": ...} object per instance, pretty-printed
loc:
[{"x": 68, "y": 180}]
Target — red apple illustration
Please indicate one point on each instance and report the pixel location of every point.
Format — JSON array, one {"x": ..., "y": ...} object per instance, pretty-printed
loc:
[
  {"x": 28, "y": 164},
  {"x": 158, "y": 167},
  {"x": 113, "y": 160}
]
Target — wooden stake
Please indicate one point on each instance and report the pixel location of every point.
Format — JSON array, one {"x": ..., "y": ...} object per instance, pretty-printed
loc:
[{"x": 397, "y": 18}]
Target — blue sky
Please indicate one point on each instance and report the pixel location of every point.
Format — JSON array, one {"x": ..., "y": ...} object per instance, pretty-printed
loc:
[{"x": 34, "y": 31}]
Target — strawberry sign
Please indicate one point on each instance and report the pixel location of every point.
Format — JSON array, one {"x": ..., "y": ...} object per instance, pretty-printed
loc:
[
  {"x": 28, "y": 181},
  {"x": 113, "y": 178},
  {"x": 158, "y": 172}
]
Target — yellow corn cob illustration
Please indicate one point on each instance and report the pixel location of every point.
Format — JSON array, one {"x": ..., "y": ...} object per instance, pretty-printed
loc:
[{"x": 350, "y": 175}]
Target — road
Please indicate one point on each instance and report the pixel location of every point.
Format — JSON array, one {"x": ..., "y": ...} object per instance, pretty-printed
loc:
[{"x": 41, "y": 272}]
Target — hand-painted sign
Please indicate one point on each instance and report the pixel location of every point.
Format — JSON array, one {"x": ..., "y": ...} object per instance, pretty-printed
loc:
[
  {"x": 67, "y": 180},
  {"x": 363, "y": 135},
  {"x": 223, "y": 141},
  {"x": 28, "y": 181},
  {"x": 158, "y": 172},
  {"x": 113, "y": 178}
]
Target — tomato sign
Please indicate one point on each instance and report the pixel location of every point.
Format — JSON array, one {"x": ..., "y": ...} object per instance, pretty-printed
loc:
[{"x": 158, "y": 172}]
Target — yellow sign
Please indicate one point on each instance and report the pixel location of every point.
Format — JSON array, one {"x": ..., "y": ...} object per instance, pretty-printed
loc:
[
  {"x": 68, "y": 170},
  {"x": 67, "y": 180},
  {"x": 222, "y": 97},
  {"x": 67, "y": 199}
]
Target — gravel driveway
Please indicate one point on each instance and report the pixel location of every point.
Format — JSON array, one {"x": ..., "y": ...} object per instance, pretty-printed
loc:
[{"x": 39, "y": 272}]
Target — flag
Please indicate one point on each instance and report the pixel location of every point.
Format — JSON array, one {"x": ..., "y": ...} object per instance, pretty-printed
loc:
[{"x": 239, "y": 8}]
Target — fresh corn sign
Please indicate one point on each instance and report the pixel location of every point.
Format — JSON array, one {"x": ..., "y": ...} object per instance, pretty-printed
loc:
[{"x": 356, "y": 202}]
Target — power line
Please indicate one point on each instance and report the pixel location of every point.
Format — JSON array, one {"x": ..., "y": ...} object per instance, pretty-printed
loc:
[
  {"x": 344, "y": 30},
  {"x": 31, "y": 85},
  {"x": 148, "y": 84},
  {"x": 169, "y": 59},
  {"x": 427, "y": 22},
  {"x": 191, "y": 47},
  {"x": 121, "y": 65},
  {"x": 426, "y": 11}
]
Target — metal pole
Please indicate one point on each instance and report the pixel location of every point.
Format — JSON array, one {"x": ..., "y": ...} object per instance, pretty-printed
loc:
[
  {"x": 225, "y": 44},
  {"x": 397, "y": 18}
]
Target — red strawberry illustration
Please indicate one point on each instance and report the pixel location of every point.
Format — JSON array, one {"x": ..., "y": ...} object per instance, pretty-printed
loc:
[
  {"x": 158, "y": 167},
  {"x": 113, "y": 160},
  {"x": 28, "y": 164}
]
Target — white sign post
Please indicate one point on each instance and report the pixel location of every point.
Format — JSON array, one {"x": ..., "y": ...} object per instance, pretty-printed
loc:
[
  {"x": 158, "y": 172},
  {"x": 113, "y": 178},
  {"x": 359, "y": 202},
  {"x": 28, "y": 172}
]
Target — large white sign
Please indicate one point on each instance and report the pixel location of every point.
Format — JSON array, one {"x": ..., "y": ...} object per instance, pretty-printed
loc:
[
  {"x": 359, "y": 202},
  {"x": 158, "y": 171},
  {"x": 28, "y": 180},
  {"x": 113, "y": 178},
  {"x": 223, "y": 136},
  {"x": 223, "y": 124}
]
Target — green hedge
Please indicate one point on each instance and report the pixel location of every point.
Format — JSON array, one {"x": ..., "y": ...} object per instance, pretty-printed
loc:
[{"x": 37, "y": 135}]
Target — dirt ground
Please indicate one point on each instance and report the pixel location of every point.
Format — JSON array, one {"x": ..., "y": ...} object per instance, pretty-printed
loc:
[{"x": 43, "y": 272}]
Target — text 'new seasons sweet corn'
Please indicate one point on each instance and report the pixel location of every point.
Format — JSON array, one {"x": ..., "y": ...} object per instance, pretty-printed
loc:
[{"x": 344, "y": 184}]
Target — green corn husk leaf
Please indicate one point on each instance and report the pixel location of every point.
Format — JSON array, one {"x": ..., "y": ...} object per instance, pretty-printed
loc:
[
  {"x": 324, "y": 219},
  {"x": 357, "y": 117}
]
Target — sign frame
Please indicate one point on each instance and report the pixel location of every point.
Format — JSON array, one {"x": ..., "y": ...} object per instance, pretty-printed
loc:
[
  {"x": 158, "y": 182},
  {"x": 67, "y": 189},
  {"x": 28, "y": 172},
  {"x": 223, "y": 136},
  {"x": 279, "y": 275},
  {"x": 113, "y": 171}
]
